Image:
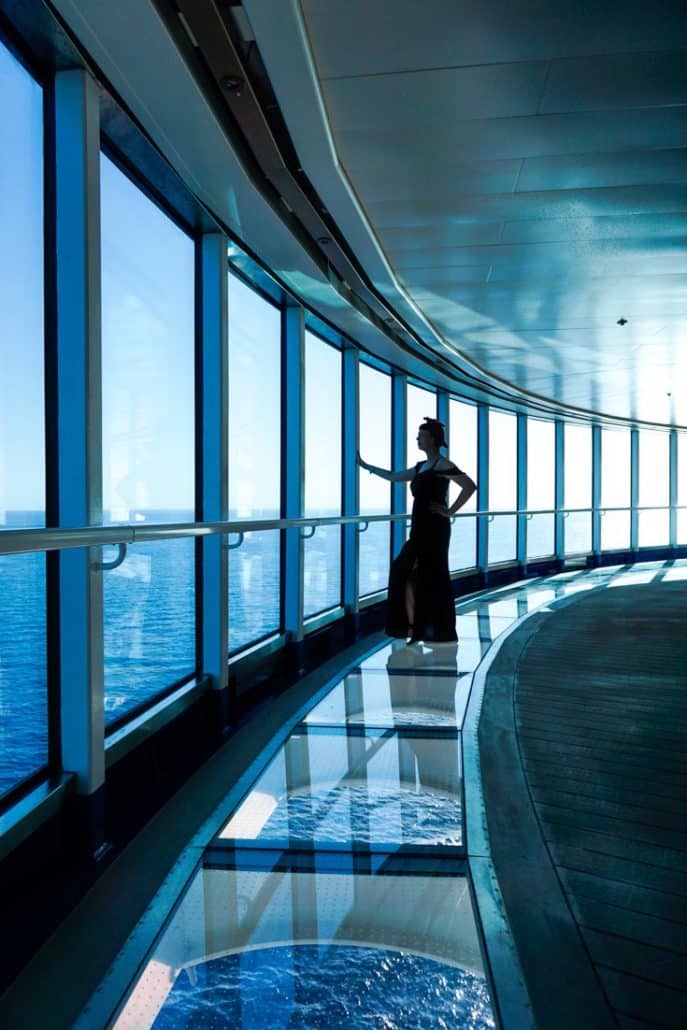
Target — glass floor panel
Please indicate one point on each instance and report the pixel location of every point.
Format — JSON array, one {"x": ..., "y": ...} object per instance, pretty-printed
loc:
[
  {"x": 429, "y": 659},
  {"x": 371, "y": 790},
  {"x": 251, "y": 949},
  {"x": 372, "y": 697}
]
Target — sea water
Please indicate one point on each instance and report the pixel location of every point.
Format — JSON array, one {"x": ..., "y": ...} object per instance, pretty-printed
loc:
[{"x": 325, "y": 986}]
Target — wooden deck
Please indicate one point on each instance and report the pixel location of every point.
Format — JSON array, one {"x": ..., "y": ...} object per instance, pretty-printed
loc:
[{"x": 591, "y": 701}]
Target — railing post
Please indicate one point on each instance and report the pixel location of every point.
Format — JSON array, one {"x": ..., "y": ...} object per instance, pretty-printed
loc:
[
  {"x": 559, "y": 489},
  {"x": 399, "y": 458},
  {"x": 673, "y": 486},
  {"x": 79, "y": 440},
  {"x": 634, "y": 489},
  {"x": 293, "y": 451},
  {"x": 350, "y": 481},
  {"x": 483, "y": 487},
  {"x": 212, "y": 462},
  {"x": 596, "y": 490},
  {"x": 521, "y": 490}
]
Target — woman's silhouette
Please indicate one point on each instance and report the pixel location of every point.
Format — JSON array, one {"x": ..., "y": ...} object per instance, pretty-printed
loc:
[{"x": 420, "y": 603}]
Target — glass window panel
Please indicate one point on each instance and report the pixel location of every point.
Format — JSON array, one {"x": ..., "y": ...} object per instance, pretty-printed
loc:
[
  {"x": 503, "y": 461},
  {"x": 463, "y": 452},
  {"x": 22, "y": 425},
  {"x": 23, "y": 669},
  {"x": 254, "y": 404},
  {"x": 148, "y": 361},
  {"x": 322, "y": 552},
  {"x": 254, "y": 589},
  {"x": 503, "y": 470},
  {"x": 541, "y": 485},
  {"x": 375, "y": 493},
  {"x": 654, "y": 487},
  {"x": 254, "y": 462},
  {"x": 420, "y": 404},
  {"x": 682, "y": 487},
  {"x": 502, "y": 538},
  {"x": 149, "y": 624},
  {"x": 577, "y": 488},
  {"x": 615, "y": 488}
]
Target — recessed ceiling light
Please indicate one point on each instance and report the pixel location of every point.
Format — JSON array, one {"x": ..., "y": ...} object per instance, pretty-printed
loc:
[{"x": 622, "y": 321}]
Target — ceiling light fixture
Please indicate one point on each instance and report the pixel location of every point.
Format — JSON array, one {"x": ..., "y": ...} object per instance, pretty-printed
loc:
[{"x": 621, "y": 321}]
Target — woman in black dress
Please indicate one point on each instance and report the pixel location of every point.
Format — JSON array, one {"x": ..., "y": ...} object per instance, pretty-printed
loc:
[{"x": 420, "y": 603}]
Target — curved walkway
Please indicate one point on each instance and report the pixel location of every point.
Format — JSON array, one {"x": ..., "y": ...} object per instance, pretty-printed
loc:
[{"x": 583, "y": 740}]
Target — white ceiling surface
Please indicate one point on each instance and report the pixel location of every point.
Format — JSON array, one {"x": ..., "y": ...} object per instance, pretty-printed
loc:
[{"x": 523, "y": 167}]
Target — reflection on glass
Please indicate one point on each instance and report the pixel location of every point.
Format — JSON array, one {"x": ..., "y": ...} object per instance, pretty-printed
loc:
[
  {"x": 378, "y": 789},
  {"x": 420, "y": 404},
  {"x": 23, "y": 669},
  {"x": 502, "y": 540},
  {"x": 615, "y": 488},
  {"x": 541, "y": 486},
  {"x": 463, "y": 452},
  {"x": 375, "y": 493},
  {"x": 254, "y": 589},
  {"x": 322, "y": 552},
  {"x": 577, "y": 488},
  {"x": 148, "y": 356},
  {"x": 278, "y": 949},
  {"x": 654, "y": 487},
  {"x": 22, "y": 425},
  {"x": 373, "y": 698},
  {"x": 149, "y": 608}
]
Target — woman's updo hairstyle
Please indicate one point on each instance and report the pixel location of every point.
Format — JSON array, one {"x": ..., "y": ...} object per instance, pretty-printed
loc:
[{"x": 435, "y": 428}]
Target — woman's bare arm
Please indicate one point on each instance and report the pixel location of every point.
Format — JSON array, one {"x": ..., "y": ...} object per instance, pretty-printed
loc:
[
  {"x": 467, "y": 489},
  {"x": 404, "y": 475}
]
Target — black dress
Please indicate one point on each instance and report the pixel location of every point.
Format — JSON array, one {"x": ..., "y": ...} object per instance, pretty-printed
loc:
[{"x": 424, "y": 560}]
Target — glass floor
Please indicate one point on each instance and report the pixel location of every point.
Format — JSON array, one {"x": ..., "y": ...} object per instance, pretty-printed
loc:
[{"x": 338, "y": 893}]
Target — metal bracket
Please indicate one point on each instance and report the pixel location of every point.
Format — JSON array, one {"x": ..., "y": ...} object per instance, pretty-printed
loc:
[
  {"x": 362, "y": 526},
  {"x": 107, "y": 566},
  {"x": 232, "y": 547},
  {"x": 305, "y": 535}
]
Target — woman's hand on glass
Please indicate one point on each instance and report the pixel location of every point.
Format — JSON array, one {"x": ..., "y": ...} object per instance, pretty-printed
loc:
[{"x": 363, "y": 464}]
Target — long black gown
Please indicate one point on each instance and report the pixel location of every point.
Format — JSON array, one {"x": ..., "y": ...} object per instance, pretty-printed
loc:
[{"x": 424, "y": 559}]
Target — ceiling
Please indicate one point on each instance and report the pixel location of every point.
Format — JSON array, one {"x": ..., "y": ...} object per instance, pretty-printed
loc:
[{"x": 511, "y": 176}]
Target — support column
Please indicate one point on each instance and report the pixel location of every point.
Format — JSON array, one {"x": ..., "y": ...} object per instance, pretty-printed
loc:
[
  {"x": 212, "y": 463},
  {"x": 79, "y": 440},
  {"x": 559, "y": 489},
  {"x": 596, "y": 490},
  {"x": 634, "y": 489},
  {"x": 399, "y": 458},
  {"x": 293, "y": 452},
  {"x": 351, "y": 493},
  {"x": 673, "y": 486},
  {"x": 521, "y": 490},
  {"x": 482, "y": 487}
]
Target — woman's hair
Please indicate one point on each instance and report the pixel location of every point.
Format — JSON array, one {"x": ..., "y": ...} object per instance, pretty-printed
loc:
[{"x": 435, "y": 428}]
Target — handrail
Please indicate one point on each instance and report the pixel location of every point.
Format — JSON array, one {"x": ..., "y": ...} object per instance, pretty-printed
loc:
[{"x": 27, "y": 541}]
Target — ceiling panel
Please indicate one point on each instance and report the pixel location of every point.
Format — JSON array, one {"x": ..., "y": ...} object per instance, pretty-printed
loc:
[
  {"x": 498, "y": 139},
  {"x": 359, "y": 37},
  {"x": 435, "y": 99},
  {"x": 429, "y": 208},
  {"x": 616, "y": 81},
  {"x": 583, "y": 171},
  {"x": 646, "y": 228}
]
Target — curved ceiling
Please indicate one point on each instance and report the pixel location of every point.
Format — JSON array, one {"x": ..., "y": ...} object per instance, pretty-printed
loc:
[{"x": 510, "y": 176}]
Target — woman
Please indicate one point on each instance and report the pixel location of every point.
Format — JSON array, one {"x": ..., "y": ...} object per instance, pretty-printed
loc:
[{"x": 420, "y": 603}]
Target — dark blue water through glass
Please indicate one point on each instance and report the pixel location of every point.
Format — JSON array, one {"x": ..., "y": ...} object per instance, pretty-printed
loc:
[{"x": 325, "y": 986}]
